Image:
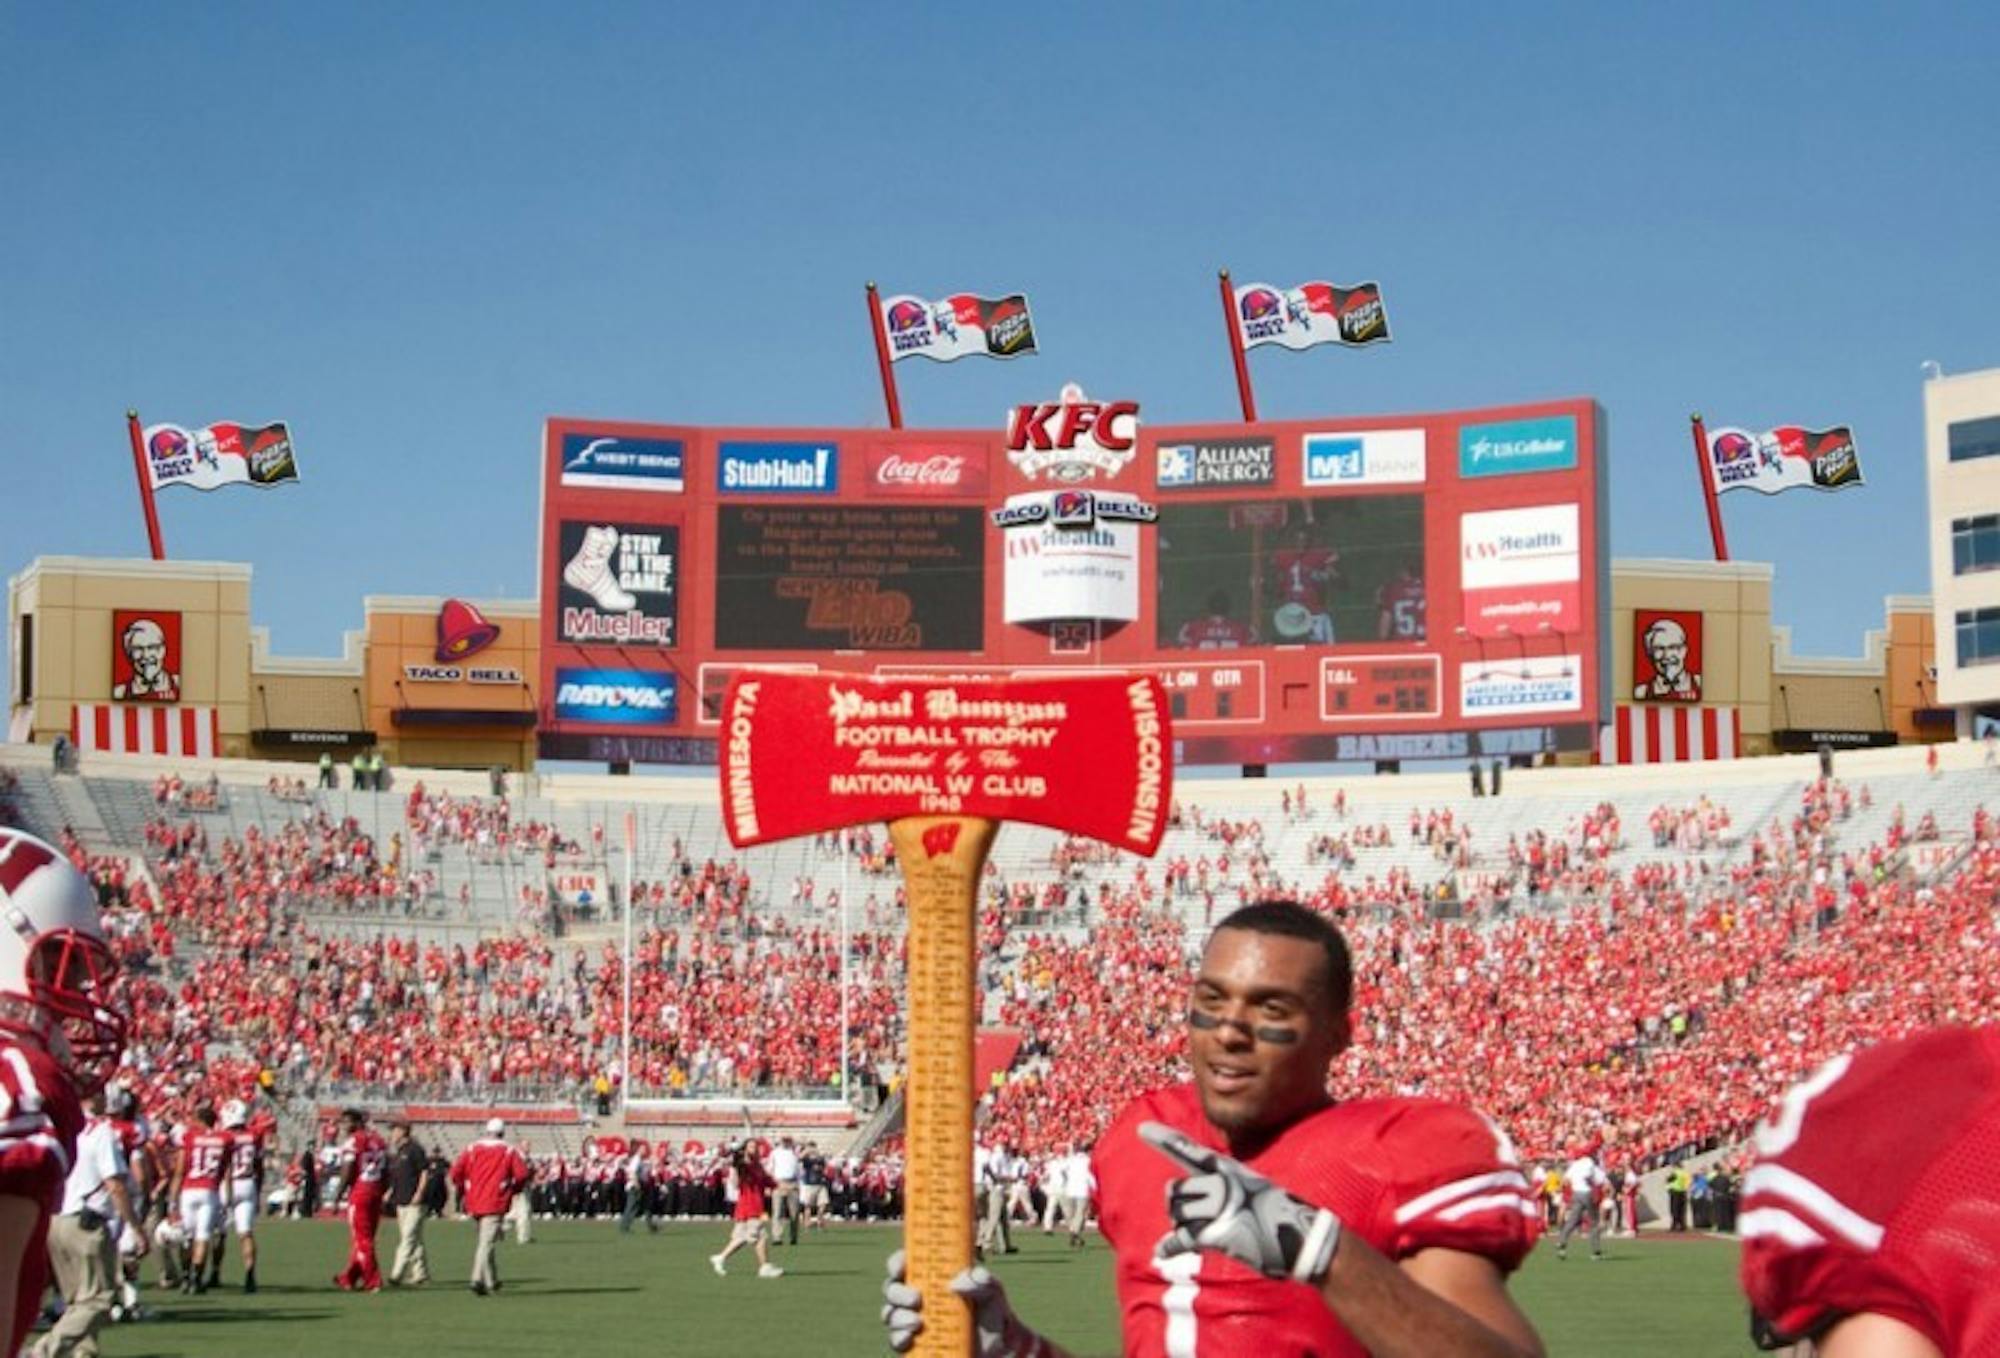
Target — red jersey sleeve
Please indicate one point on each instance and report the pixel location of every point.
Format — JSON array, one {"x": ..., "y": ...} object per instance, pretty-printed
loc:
[
  {"x": 39, "y": 1123},
  {"x": 1452, "y": 1181},
  {"x": 1873, "y": 1192}
]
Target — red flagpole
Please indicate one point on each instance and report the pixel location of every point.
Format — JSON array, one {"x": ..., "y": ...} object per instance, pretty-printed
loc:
[
  {"x": 1707, "y": 475},
  {"x": 1243, "y": 392},
  {"x": 145, "y": 485},
  {"x": 883, "y": 360}
]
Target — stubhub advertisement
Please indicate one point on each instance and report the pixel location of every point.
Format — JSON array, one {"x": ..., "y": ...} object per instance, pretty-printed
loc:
[
  {"x": 617, "y": 697},
  {"x": 778, "y": 468}
]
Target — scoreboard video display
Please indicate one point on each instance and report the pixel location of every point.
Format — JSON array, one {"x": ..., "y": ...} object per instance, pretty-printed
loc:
[{"x": 1415, "y": 587}]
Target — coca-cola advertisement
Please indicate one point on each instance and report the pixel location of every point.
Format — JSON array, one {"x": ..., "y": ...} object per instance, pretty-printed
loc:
[{"x": 927, "y": 469}]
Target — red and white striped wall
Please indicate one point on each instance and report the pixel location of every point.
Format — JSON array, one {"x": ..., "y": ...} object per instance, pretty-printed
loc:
[
  {"x": 128, "y": 728},
  {"x": 1662, "y": 734}
]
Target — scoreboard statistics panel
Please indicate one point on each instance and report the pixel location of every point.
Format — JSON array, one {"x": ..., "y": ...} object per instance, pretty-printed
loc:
[{"x": 1386, "y": 588}]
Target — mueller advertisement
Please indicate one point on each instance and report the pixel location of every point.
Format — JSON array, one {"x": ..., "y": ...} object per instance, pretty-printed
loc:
[{"x": 1361, "y": 588}]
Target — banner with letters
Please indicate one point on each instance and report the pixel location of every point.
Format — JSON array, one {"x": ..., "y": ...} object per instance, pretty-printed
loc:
[
  {"x": 1786, "y": 458},
  {"x": 219, "y": 455},
  {"x": 957, "y": 326},
  {"x": 1311, "y": 313}
]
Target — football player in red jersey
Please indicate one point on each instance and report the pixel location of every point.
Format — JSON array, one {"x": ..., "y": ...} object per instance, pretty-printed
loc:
[
  {"x": 1216, "y": 630},
  {"x": 246, "y": 1187},
  {"x": 1869, "y": 1217},
  {"x": 1253, "y": 1214},
  {"x": 59, "y": 1039},
  {"x": 364, "y": 1158},
  {"x": 198, "y": 1190},
  {"x": 1401, "y": 608}
]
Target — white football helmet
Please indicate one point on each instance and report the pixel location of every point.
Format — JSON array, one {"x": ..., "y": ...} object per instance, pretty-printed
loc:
[
  {"x": 235, "y": 1114},
  {"x": 56, "y": 970}
]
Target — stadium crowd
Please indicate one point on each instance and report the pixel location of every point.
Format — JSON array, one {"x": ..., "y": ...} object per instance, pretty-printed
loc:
[{"x": 1660, "y": 1010}]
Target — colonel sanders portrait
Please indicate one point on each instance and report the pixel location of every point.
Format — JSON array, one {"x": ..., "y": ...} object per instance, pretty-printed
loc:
[
  {"x": 1666, "y": 647},
  {"x": 145, "y": 645}
]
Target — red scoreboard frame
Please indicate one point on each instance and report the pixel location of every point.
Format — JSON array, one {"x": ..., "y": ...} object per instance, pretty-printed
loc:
[{"x": 1461, "y": 572}]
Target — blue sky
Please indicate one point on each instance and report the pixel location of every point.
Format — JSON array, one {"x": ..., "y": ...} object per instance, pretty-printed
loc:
[{"x": 416, "y": 231}]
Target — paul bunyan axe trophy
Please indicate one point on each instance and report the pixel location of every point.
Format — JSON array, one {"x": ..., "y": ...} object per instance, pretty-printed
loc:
[{"x": 944, "y": 762}]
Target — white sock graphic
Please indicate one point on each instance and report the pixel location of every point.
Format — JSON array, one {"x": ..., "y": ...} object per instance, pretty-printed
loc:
[{"x": 590, "y": 570}]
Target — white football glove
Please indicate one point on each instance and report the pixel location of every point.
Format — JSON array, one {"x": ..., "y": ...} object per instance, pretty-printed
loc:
[
  {"x": 1225, "y": 1207},
  {"x": 997, "y": 1331}
]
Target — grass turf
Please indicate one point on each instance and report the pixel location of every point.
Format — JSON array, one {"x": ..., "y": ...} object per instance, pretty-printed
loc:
[{"x": 583, "y": 1289}]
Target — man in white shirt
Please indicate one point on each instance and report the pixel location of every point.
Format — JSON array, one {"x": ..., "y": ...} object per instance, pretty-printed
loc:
[
  {"x": 1587, "y": 1184},
  {"x": 1076, "y": 1182},
  {"x": 785, "y": 1194},
  {"x": 998, "y": 1174},
  {"x": 82, "y": 1253}
]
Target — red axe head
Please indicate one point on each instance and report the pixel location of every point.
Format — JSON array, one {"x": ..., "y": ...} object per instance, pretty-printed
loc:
[{"x": 807, "y": 753}]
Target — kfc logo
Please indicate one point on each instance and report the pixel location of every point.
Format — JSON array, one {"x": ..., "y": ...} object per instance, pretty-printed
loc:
[
  {"x": 1666, "y": 660},
  {"x": 1073, "y": 439},
  {"x": 146, "y": 659}
]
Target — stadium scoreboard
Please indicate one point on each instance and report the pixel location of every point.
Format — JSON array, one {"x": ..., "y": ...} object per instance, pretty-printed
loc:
[{"x": 1368, "y": 588}]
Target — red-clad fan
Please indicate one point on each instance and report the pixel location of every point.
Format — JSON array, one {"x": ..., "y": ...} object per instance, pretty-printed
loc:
[
  {"x": 58, "y": 1039},
  {"x": 364, "y": 1167},
  {"x": 747, "y": 1223},
  {"x": 1215, "y": 630},
  {"x": 1253, "y": 1214},
  {"x": 488, "y": 1175},
  {"x": 204, "y": 1161},
  {"x": 1871, "y": 1220}
]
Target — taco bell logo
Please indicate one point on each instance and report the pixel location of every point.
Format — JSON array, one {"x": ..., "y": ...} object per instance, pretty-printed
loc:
[
  {"x": 1263, "y": 313},
  {"x": 1513, "y": 446}
]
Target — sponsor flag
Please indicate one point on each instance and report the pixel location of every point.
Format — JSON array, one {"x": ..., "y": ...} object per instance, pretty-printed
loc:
[
  {"x": 219, "y": 455},
  {"x": 1311, "y": 313},
  {"x": 957, "y": 326},
  {"x": 1785, "y": 458}
]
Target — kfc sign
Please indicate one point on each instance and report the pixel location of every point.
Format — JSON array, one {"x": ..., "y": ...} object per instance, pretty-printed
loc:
[
  {"x": 1073, "y": 439},
  {"x": 927, "y": 469},
  {"x": 1666, "y": 655}
]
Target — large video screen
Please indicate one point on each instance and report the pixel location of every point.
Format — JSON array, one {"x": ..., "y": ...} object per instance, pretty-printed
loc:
[
  {"x": 849, "y": 577},
  {"x": 1312, "y": 570}
]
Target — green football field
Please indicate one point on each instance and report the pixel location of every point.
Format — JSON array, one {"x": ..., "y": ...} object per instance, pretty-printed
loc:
[{"x": 581, "y": 1290}]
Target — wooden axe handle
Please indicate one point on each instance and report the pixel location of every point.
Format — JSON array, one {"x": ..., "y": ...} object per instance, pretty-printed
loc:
[{"x": 941, "y": 858}]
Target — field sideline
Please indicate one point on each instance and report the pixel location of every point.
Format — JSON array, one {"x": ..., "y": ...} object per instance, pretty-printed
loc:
[{"x": 582, "y": 1289}]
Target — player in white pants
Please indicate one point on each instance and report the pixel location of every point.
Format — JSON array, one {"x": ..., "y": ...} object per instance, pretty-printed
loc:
[
  {"x": 246, "y": 1177},
  {"x": 198, "y": 1188}
]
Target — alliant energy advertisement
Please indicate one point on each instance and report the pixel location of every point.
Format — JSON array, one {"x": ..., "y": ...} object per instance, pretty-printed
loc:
[
  {"x": 838, "y": 577},
  {"x": 1089, "y": 755}
]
